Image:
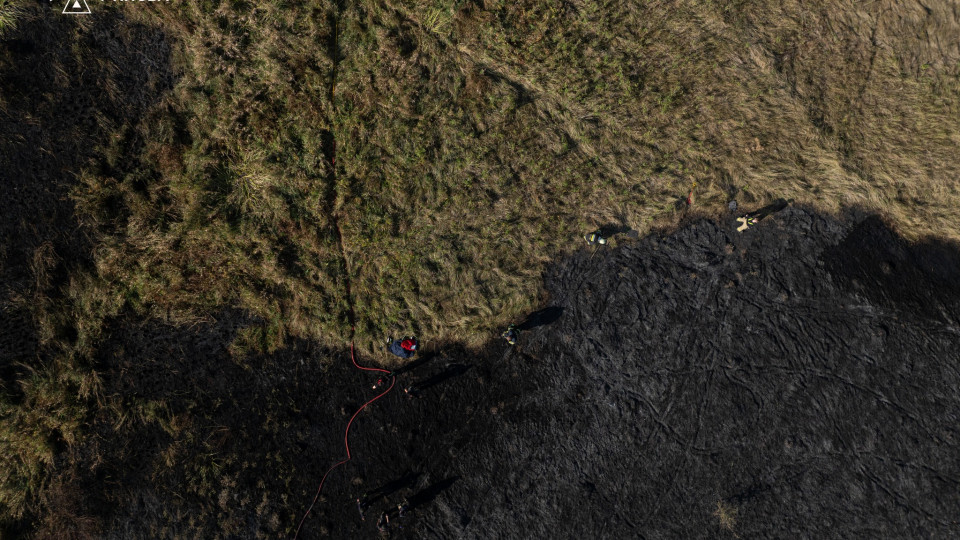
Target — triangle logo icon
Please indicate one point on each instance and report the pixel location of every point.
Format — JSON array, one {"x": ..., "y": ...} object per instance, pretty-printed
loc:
[{"x": 76, "y": 7}]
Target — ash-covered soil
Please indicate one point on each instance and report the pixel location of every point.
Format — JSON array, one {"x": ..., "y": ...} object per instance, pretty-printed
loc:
[{"x": 799, "y": 379}]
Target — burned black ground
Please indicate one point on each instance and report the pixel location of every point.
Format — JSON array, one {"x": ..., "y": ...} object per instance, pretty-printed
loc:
[{"x": 802, "y": 375}]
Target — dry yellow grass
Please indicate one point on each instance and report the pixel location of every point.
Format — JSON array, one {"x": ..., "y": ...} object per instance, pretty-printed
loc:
[
  {"x": 481, "y": 142},
  {"x": 726, "y": 515},
  {"x": 476, "y": 142}
]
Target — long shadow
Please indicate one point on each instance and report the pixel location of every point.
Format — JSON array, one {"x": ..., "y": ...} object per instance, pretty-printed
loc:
[
  {"x": 423, "y": 360},
  {"x": 607, "y": 231},
  {"x": 57, "y": 111},
  {"x": 771, "y": 208},
  {"x": 69, "y": 83},
  {"x": 428, "y": 494},
  {"x": 543, "y": 317},
  {"x": 451, "y": 371},
  {"x": 391, "y": 487},
  {"x": 883, "y": 267}
]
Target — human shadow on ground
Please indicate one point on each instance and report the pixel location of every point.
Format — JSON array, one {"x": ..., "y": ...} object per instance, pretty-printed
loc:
[
  {"x": 542, "y": 317},
  {"x": 450, "y": 372},
  {"x": 428, "y": 494},
  {"x": 771, "y": 208},
  {"x": 609, "y": 230},
  {"x": 388, "y": 489},
  {"x": 416, "y": 364}
]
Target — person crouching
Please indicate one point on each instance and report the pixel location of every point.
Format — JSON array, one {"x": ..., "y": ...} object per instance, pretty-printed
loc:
[{"x": 404, "y": 347}]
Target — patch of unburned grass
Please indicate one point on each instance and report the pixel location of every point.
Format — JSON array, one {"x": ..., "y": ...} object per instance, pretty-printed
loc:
[
  {"x": 49, "y": 413},
  {"x": 726, "y": 515}
]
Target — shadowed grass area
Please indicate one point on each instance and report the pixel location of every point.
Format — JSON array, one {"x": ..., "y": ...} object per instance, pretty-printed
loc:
[
  {"x": 228, "y": 202},
  {"x": 410, "y": 166}
]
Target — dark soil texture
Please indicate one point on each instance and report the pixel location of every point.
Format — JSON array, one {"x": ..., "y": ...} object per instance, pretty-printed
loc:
[{"x": 802, "y": 376}]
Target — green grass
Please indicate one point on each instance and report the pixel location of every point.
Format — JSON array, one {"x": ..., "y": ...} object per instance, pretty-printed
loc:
[{"x": 475, "y": 143}]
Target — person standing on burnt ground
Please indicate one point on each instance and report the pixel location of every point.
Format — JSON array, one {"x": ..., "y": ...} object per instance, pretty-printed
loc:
[
  {"x": 373, "y": 496},
  {"x": 383, "y": 524},
  {"x": 412, "y": 390},
  {"x": 402, "y": 508},
  {"x": 363, "y": 503},
  {"x": 400, "y": 511},
  {"x": 511, "y": 334},
  {"x": 751, "y": 218},
  {"x": 538, "y": 318}
]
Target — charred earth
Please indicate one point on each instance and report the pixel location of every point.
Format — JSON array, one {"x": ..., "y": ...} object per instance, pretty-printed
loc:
[{"x": 799, "y": 378}]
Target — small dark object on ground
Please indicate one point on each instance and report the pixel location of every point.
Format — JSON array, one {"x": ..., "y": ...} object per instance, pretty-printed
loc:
[{"x": 383, "y": 380}]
